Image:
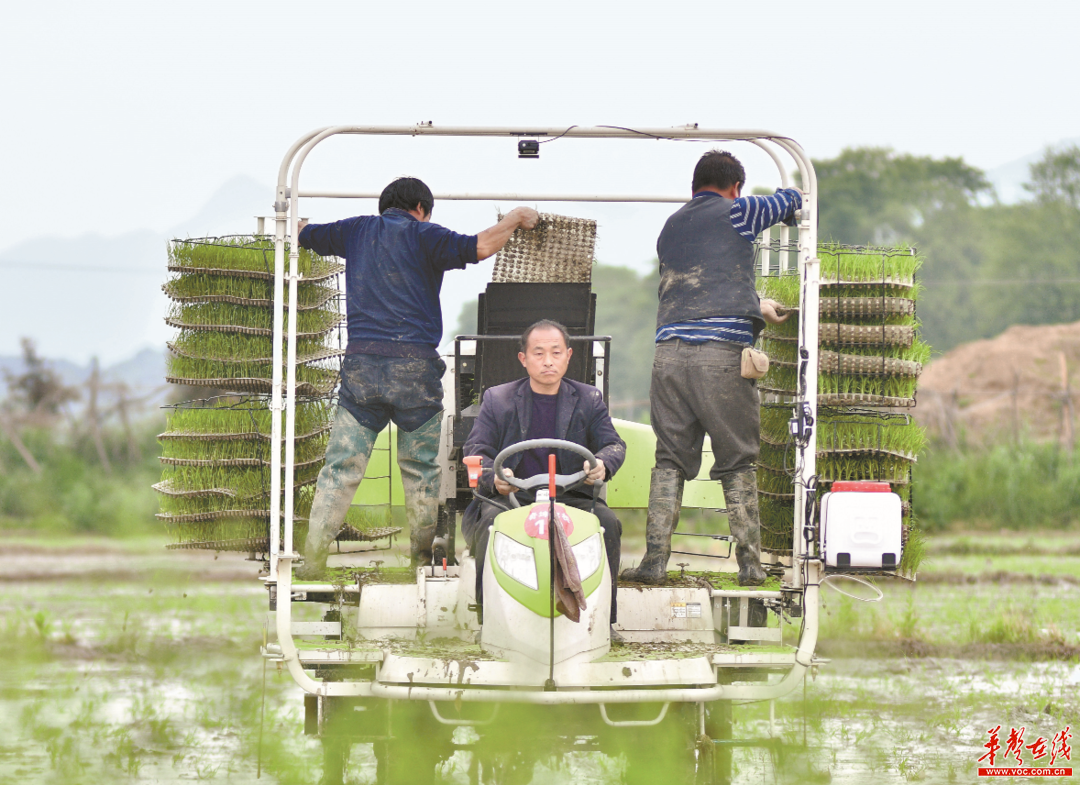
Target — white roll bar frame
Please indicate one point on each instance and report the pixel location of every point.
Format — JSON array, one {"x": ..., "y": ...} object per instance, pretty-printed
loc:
[{"x": 286, "y": 200}]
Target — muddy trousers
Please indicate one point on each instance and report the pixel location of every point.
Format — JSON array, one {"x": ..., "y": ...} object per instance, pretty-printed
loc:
[
  {"x": 477, "y": 539},
  {"x": 347, "y": 456}
]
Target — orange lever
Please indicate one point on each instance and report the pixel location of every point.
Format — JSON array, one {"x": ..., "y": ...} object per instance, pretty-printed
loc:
[
  {"x": 473, "y": 463},
  {"x": 551, "y": 475}
]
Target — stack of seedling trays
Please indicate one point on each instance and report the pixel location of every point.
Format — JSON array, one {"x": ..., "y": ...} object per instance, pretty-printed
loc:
[
  {"x": 216, "y": 451},
  {"x": 869, "y": 363}
]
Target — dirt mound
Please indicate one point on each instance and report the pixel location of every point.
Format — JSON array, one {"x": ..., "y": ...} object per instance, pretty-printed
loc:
[{"x": 1024, "y": 382}]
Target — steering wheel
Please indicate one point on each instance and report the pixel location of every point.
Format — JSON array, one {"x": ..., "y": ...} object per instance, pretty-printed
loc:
[{"x": 566, "y": 481}]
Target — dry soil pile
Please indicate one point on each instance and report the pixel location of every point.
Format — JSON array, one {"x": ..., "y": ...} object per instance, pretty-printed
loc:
[{"x": 1024, "y": 382}]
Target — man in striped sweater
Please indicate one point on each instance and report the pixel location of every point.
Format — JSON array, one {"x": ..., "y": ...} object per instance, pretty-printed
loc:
[{"x": 708, "y": 313}]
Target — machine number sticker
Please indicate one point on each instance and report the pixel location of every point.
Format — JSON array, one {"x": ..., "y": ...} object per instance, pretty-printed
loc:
[{"x": 686, "y": 610}]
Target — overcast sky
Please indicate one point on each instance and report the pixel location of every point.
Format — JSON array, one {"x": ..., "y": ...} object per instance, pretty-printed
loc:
[{"x": 125, "y": 116}]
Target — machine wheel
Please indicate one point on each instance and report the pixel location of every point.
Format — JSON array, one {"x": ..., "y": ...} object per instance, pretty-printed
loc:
[
  {"x": 335, "y": 759},
  {"x": 661, "y": 753}
]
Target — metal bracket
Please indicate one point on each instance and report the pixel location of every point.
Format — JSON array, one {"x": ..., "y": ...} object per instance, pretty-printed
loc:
[
  {"x": 721, "y": 537},
  {"x": 632, "y": 723},
  {"x": 464, "y": 723}
]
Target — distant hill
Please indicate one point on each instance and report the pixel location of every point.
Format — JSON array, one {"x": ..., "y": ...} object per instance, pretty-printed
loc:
[
  {"x": 86, "y": 296},
  {"x": 1008, "y": 179}
]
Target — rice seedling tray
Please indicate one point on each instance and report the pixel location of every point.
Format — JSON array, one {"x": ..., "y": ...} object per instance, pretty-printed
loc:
[
  {"x": 243, "y": 330},
  {"x": 240, "y": 253},
  {"x": 212, "y": 515},
  {"x": 861, "y": 364},
  {"x": 251, "y": 384},
  {"x": 249, "y": 436},
  {"x": 331, "y": 269},
  {"x": 784, "y": 379},
  {"x": 216, "y": 347},
  {"x": 853, "y": 334},
  {"x": 231, "y": 462},
  {"x": 907, "y": 456},
  {"x": 171, "y": 488},
  {"x": 262, "y": 544},
  {"x": 189, "y": 289},
  {"x": 195, "y": 316}
]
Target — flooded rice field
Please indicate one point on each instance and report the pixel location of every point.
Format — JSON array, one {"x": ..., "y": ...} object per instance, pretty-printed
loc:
[{"x": 123, "y": 662}]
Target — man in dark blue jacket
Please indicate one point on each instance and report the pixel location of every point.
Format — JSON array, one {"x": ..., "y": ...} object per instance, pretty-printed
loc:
[
  {"x": 394, "y": 265},
  {"x": 543, "y": 406}
]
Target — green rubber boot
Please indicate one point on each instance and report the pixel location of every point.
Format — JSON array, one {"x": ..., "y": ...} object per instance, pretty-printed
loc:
[
  {"x": 741, "y": 499},
  {"x": 665, "y": 501},
  {"x": 418, "y": 453},
  {"x": 347, "y": 455}
]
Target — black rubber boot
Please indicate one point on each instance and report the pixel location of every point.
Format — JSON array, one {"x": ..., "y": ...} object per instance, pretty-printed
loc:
[
  {"x": 741, "y": 499},
  {"x": 665, "y": 501}
]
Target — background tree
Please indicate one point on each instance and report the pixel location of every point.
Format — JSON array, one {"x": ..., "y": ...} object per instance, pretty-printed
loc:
[
  {"x": 872, "y": 195},
  {"x": 1056, "y": 177},
  {"x": 38, "y": 389}
]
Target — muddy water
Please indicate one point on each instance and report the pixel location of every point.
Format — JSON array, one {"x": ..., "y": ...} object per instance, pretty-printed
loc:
[{"x": 127, "y": 664}]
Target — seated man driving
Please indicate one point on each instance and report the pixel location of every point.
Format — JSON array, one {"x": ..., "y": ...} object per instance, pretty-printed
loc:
[{"x": 543, "y": 406}]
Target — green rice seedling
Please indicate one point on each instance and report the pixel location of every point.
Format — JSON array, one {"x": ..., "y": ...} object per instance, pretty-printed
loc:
[
  {"x": 830, "y": 334},
  {"x": 856, "y": 263},
  {"x": 217, "y": 373},
  {"x": 240, "y": 481},
  {"x": 231, "y": 415},
  {"x": 365, "y": 518},
  {"x": 221, "y": 506},
  {"x": 251, "y": 317},
  {"x": 199, "y": 287},
  {"x": 777, "y": 523},
  {"x": 914, "y": 549},
  {"x": 785, "y": 378},
  {"x": 243, "y": 253},
  {"x": 788, "y": 351},
  {"x": 775, "y": 482},
  {"x": 774, "y": 423},
  {"x": 833, "y": 465},
  {"x": 786, "y": 290},
  {"x": 222, "y": 531},
  {"x": 846, "y": 430},
  {"x": 306, "y": 450},
  {"x": 229, "y": 347}
]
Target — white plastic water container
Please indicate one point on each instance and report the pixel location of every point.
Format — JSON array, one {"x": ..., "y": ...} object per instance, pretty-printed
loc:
[{"x": 861, "y": 529}]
